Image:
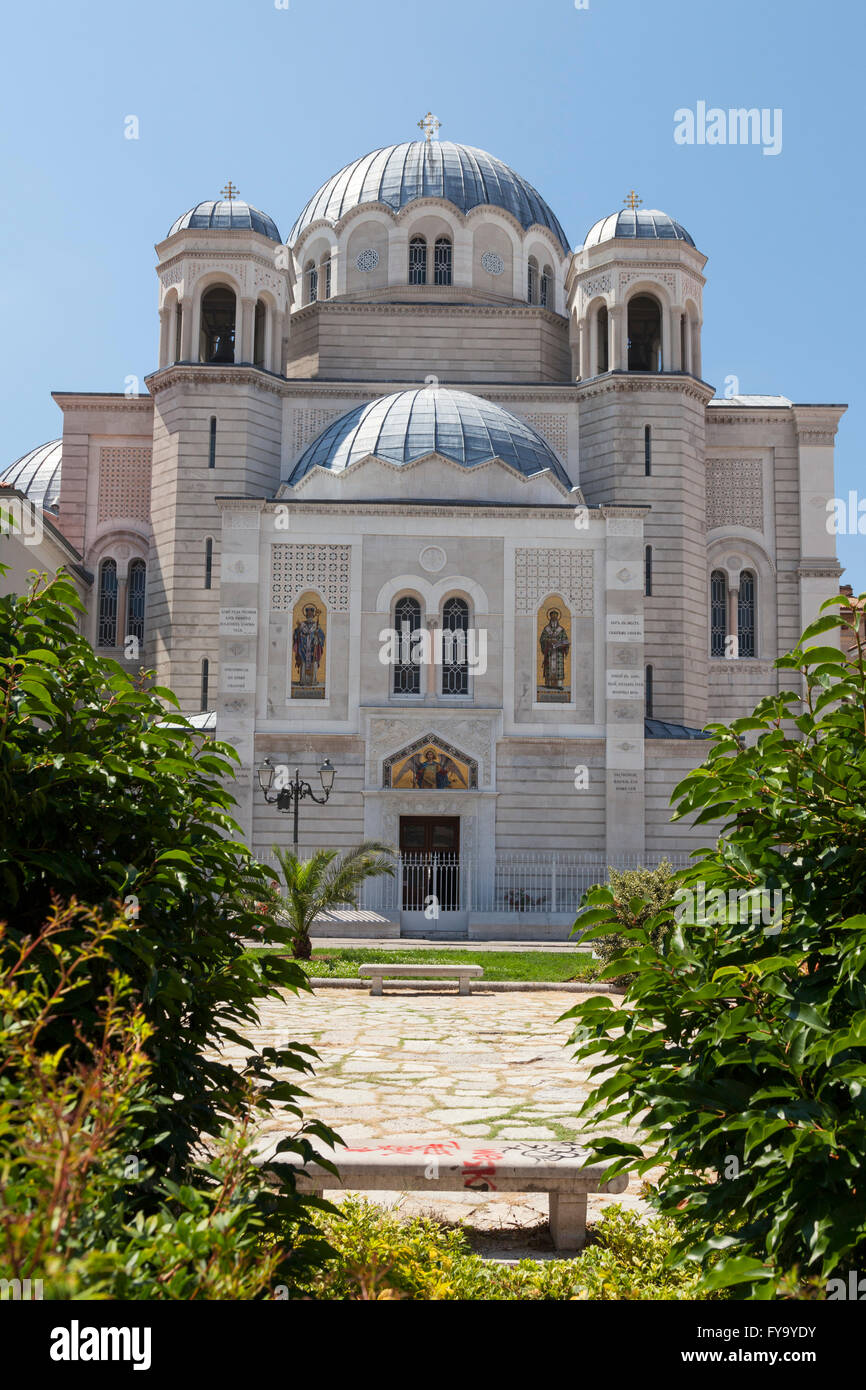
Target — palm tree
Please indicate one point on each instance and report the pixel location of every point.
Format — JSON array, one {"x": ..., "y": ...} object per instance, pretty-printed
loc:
[{"x": 326, "y": 880}]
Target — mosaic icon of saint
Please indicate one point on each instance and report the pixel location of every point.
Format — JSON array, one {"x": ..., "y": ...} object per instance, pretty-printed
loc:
[
  {"x": 554, "y": 642},
  {"x": 308, "y": 646}
]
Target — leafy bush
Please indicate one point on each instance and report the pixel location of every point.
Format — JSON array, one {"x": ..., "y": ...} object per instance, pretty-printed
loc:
[
  {"x": 383, "y": 1256},
  {"x": 105, "y": 802},
  {"x": 74, "y": 1149},
  {"x": 740, "y": 1049},
  {"x": 638, "y": 895}
]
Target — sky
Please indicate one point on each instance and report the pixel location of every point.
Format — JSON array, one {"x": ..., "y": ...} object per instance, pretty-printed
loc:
[{"x": 579, "y": 98}]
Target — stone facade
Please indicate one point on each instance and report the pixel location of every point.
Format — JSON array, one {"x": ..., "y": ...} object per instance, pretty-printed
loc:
[{"x": 656, "y": 492}]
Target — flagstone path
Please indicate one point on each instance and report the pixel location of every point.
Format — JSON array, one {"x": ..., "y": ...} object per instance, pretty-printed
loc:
[{"x": 432, "y": 1066}]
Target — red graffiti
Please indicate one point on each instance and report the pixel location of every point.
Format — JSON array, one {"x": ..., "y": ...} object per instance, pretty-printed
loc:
[{"x": 480, "y": 1169}]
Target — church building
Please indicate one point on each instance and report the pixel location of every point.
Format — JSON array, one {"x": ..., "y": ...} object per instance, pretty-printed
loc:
[{"x": 425, "y": 495}]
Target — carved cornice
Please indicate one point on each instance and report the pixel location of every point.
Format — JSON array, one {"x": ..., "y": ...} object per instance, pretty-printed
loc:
[
  {"x": 768, "y": 415},
  {"x": 632, "y": 382},
  {"x": 537, "y": 512},
  {"x": 489, "y": 311},
  {"x": 817, "y": 424},
  {"x": 73, "y": 400},
  {"x": 201, "y": 375}
]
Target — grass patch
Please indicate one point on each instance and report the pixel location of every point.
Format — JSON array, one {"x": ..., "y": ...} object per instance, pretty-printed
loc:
[{"x": 553, "y": 967}]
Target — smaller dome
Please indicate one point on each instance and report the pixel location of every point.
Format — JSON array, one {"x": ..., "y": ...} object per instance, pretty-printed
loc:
[
  {"x": 37, "y": 475},
  {"x": 411, "y": 424},
  {"x": 632, "y": 223},
  {"x": 233, "y": 215}
]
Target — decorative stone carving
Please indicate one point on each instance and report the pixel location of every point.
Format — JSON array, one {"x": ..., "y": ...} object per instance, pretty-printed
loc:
[
  {"x": 124, "y": 483},
  {"x": 295, "y": 568},
  {"x": 600, "y": 285},
  {"x": 473, "y": 735},
  {"x": 310, "y": 423},
  {"x": 492, "y": 263},
  {"x": 432, "y": 559},
  {"x": 172, "y": 276},
  {"x": 552, "y": 426},
  {"x": 367, "y": 260},
  {"x": 626, "y": 277},
  {"x": 735, "y": 493},
  {"x": 538, "y": 572}
]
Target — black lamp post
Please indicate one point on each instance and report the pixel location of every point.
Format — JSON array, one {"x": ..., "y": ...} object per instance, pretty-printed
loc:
[{"x": 289, "y": 796}]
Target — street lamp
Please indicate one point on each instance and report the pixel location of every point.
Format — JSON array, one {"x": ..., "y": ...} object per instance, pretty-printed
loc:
[{"x": 287, "y": 796}]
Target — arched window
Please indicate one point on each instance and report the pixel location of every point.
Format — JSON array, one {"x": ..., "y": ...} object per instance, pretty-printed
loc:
[
  {"x": 442, "y": 261},
  {"x": 325, "y": 277},
  {"x": 718, "y": 612},
  {"x": 217, "y": 338},
  {"x": 261, "y": 319},
  {"x": 746, "y": 614},
  {"x": 406, "y": 679},
  {"x": 648, "y": 571},
  {"x": 547, "y": 287},
  {"x": 601, "y": 338},
  {"x": 135, "y": 600},
  {"x": 532, "y": 281},
  {"x": 106, "y": 635},
  {"x": 647, "y": 450},
  {"x": 644, "y": 334},
  {"x": 205, "y": 673},
  {"x": 211, "y": 443},
  {"x": 455, "y": 659},
  {"x": 311, "y": 283},
  {"x": 178, "y": 329},
  {"x": 417, "y": 261},
  {"x": 648, "y": 692},
  {"x": 208, "y": 563}
]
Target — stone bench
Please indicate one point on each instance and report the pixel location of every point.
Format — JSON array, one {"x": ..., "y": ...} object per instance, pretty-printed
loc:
[
  {"x": 408, "y": 974},
  {"x": 452, "y": 1165}
]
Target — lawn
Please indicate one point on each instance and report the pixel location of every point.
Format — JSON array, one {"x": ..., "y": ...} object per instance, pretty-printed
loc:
[{"x": 550, "y": 966}]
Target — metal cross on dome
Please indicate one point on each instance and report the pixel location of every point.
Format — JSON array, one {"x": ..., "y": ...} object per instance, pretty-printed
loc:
[
  {"x": 229, "y": 192},
  {"x": 430, "y": 125},
  {"x": 632, "y": 201}
]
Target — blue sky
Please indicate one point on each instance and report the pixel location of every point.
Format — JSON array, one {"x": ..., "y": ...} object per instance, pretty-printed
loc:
[{"x": 579, "y": 101}]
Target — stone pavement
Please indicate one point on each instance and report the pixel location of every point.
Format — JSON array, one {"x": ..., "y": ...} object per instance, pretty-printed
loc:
[{"x": 441, "y": 1066}]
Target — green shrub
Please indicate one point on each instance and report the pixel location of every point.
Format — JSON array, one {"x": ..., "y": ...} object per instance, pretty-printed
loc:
[
  {"x": 638, "y": 895},
  {"x": 74, "y": 1149},
  {"x": 381, "y": 1255},
  {"x": 106, "y": 803},
  {"x": 740, "y": 1049}
]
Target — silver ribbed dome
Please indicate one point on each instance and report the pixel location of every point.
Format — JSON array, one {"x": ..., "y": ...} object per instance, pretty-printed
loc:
[
  {"x": 412, "y": 424},
  {"x": 631, "y": 223},
  {"x": 230, "y": 215},
  {"x": 37, "y": 475},
  {"x": 399, "y": 174}
]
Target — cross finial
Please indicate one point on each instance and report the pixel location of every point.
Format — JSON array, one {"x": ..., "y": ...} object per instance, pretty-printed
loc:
[
  {"x": 430, "y": 125},
  {"x": 229, "y": 192},
  {"x": 632, "y": 201}
]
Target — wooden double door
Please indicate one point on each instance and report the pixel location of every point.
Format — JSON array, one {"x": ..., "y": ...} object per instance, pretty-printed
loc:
[{"x": 430, "y": 850}]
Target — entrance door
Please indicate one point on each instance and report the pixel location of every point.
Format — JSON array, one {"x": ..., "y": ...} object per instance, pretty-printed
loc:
[{"x": 430, "y": 847}]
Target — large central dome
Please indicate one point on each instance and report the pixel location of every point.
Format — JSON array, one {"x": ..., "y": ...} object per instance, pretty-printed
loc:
[
  {"x": 409, "y": 425},
  {"x": 399, "y": 174}
]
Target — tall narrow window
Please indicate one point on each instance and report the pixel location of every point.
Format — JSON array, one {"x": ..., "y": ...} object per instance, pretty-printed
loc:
[
  {"x": 532, "y": 281},
  {"x": 211, "y": 444},
  {"x": 406, "y": 678},
  {"x": 178, "y": 329},
  {"x": 648, "y": 692},
  {"x": 442, "y": 261},
  {"x": 547, "y": 288},
  {"x": 648, "y": 571},
  {"x": 417, "y": 261},
  {"x": 208, "y": 563},
  {"x": 261, "y": 318},
  {"x": 644, "y": 334},
  {"x": 718, "y": 612},
  {"x": 601, "y": 337},
  {"x": 311, "y": 282},
  {"x": 135, "y": 600},
  {"x": 326, "y": 278},
  {"x": 107, "y": 615},
  {"x": 455, "y": 659},
  {"x": 746, "y": 614},
  {"x": 217, "y": 341},
  {"x": 205, "y": 672},
  {"x": 647, "y": 450},
  {"x": 683, "y": 355}
]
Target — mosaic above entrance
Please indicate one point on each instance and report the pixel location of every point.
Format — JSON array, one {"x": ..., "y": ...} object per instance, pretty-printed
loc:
[{"x": 429, "y": 764}]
